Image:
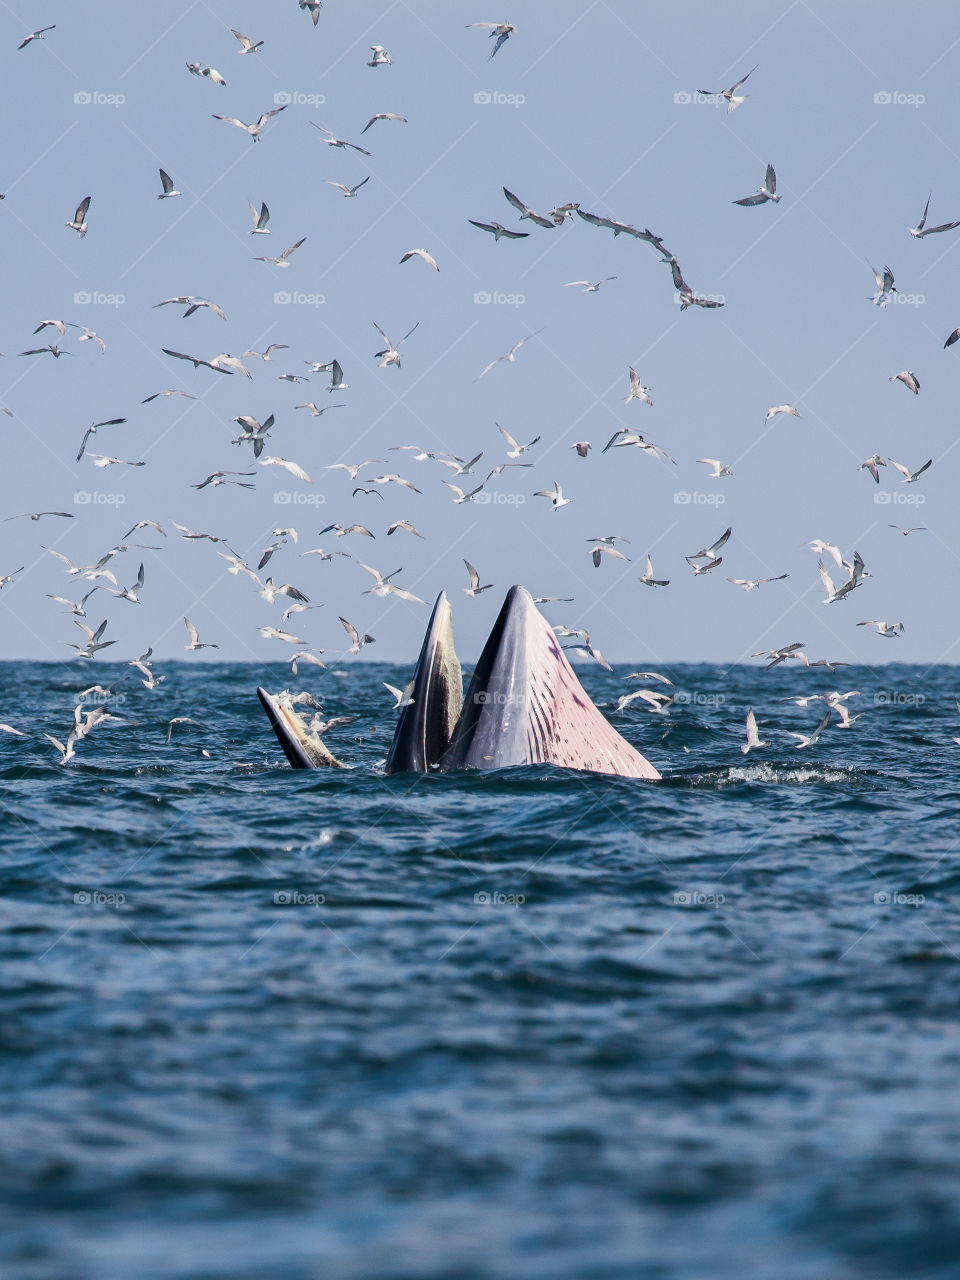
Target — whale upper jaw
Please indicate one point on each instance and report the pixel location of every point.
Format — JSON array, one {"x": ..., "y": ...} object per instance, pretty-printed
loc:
[{"x": 524, "y": 705}]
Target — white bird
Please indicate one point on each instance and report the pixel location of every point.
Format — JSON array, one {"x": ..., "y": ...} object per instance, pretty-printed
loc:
[
  {"x": 130, "y": 593},
  {"x": 74, "y": 606},
  {"x": 358, "y": 640},
  {"x": 59, "y": 325},
  {"x": 305, "y": 656},
  {"x": 180, "y": 720},
  {"x": 588, "y": 285},
  {"x": 807, "y": 740},
  {"x": 871, "y": 465},
  {"x": 917, "y": 528},
  {"x": 909, "y": 380},
  {"x": 208, "y": 73},
  {"x": 767, "y": 192},
  {"x": 218, "y": 478},
  {"x": 597, "y": 553},
  {"x": 333, "y": 141},
  {"x": 194, "y": 638},
  {"x": 9, "y": 577},
  {"x": 582, "y": 447},
  {"x": 196, "y": 361},
  {"x": 719, "y": 468},
  {"x": 274, "y": 633},
  {"x": 265, "y": 355},
  {"x": 515, "y": 450},
  {"x": 336, "y": 374},
  {"x": 35, "y": 35},
  {"x": 293, "y": 467},
  {"x": 888, "y": 629},
  {"x": 351, "y": 468},
  {"x": 252, "y": 129},
  {"x": 169, "y": 191},
  {"x": 406, "y": 525},
  {"x": 169, "y": 392},
  {"x": 314, "y": 411},
  {"x": 94, "y": 643},
  {"x": 283, "y": 260},
  {"x": 391, "y": 354},
  {"x": 819, "y": 546},
  {"x": 461, "y": 494},
  {"x": 347, "y": 191},
  {"x": 341, "y": 531},
  {"x": 777, "y": 656},
  {"x": 751, "y": 584},
  {"x": 88, "y": 335},
  {"x": 79, "y": 223},
  {"x": 420, "y": 253},
  {"x": 246, "y": 46},
  {"x": 384, "y": 587},
  {"x": 380, "y": 56},
  {"x": 312, "y": 7},
  {"x": 91, "y": 430},
  {"x": 192, "y": 304},
  {"x": 706, "y": 566},
  {"x": 555, "y": 495},
  {"x": 753, "y": 735},
  {"x": 637, "y": 390},
  {"x": 402, "y": 696},
  {"x": 67, "y": 752},
  {"x": 885, "y": 286},
  {"x": 729, "y": 94},
  {"x": 707, "y": 553},
  {"x": 501, "y": 30},
  {"x": 649, "y": 580},
  {"x": 107, "y": 460},
  {"x": 854, "y": 580},
  {"x": 921, "y": 229},
  {"x": 382, "y": 115},
  {"x": 17, "y": 733},
  {"x": 781, "y": 408},
  {"x": 510, "y": 355},
  {"x": 910, "y": 476},
  {"x": 497, "y": 230},
  {"x": 474, "y": 588},
  {"x": 260, "y": 219}
]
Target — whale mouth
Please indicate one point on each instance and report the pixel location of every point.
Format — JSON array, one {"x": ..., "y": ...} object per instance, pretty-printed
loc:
[{"x": 524, "y": 705}]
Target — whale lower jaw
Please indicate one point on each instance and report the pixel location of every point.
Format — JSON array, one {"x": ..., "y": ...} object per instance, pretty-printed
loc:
[{"x": 524, "y": 705}]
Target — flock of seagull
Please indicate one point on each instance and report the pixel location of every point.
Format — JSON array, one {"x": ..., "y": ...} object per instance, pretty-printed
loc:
[{"x": 99, "y": 579}]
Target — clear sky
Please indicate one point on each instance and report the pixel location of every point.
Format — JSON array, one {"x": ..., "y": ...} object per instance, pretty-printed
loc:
[{"x": 854, "y": 105}]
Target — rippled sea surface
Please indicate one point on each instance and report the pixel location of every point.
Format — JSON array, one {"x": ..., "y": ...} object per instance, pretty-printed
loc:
[{"x": 258, "y": 1022}]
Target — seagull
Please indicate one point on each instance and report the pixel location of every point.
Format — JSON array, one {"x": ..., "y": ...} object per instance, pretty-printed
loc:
[
  {"x": 637, "y": 390},
  {"x": 649, "y": 580},
  {"x": 79, "y": 223},
  {"x": 333, "y": 141},
  {"x": 255, "y": 431},
  {"x": 265, "y": 355},
  {"x": 169, "y": 191},
  {"x": 510, "y": 355},
  {"x": 180, "y": 720},
  {"x": 89, "y": 336},
  {"x": 380, "y": 56},
  {"x": 54, "y": 351},
  {"x": 404, "y": 524},
  {"x": 871, "y": 465},
  {"x": 781, "y": 408},
  {"x": 730, "y": 94},
  {"x": 381, "y": 115},
  {"x": 952, "y": 338},
  {"x": 238, "y": 566},
  {"x": 605, "y": 548},
  {"x": 9, "y": 577},
  {"x": 336, "y": 374},
  {"x": 294, "y": 468},
  {"x": 232, "y": 362},
  {"x": 392, "y": 478},
  {"x": 391, "y": 355},
  {"x": 807, "y": 740},
  {"x": 909, "y": 380},
  {"x": 342, "y": 532},
  {"x": 169, "y": 392},
  {"x": 67, "y": 752},
  {"x": 318, "y": 413},
  {"x": 252, "y": 129},
  {"x": 462, "y": 496},
  {"x": 687, "y": 296},
  {"x": 767, "y": 192},
  {"x": 36, "y": 515},
  {"x": 656, "y": 702},
  {"x": 74, "y": 606},
  {"x": 273, "y": 633},
  {"x": 699, "y": 569},
  {"x": 777, "y": 656},
  {"x": 497, "y": 230},
  {"x": 919, "y": 232},
  {"x": 358, "y": 640},
  {"x": 384, "y": 587},
  {"x": 35, "y": 35},
  {"x": 347, "y": 191},
  {"x": 588, "y": 285},
  {"x": 910, "y": 476},
  {"x": 59, "y": 325},
  {"x": 312, "y": 7},
  {"x": 107, "y": 460},
  {"x": 94, "y": 644},
  {"x": 209, "y": 73},
  {"x": 555, "y": 495},
  {"x": 526, "y": 212},
  {"x": 196, "y": 360},
  {"x": 855, "y": 580},
  {"x": 402, "y": 696},
  {"x": 515, "y": 450},
  {"x": 303, "y": 656},
  {"x": 751, "y": 584},
  {"x": 17, "y": 733},
  {"x": 190, "y": 536},
  {"x": 719, "y": 468},
  {"x": 192, "y": 304},
  {"x": 582, "y": 447},
  {"x": 260, "y": 219},
  {"x": 351, "y": 468},
  {"x": 474, "y": 588},
  {"x": 110, "y": 422},
  {"x": 130, "y": 593},
  {"x": 217, "y": 478},
  {"x": 420, "y": 253},
  {"x": 885, "y": 286},
  {"x": 194, "y": 638},
  {"x": 917, "y": 528},
  {"x": 282, "y": 260},
  {"x": 707, "y": 553},
  {"x": 246, "y": 46},
  {"x": 753, "y": 736},
  {"x": 888, "y": 629},
  {"x": 502, "y": 30}
]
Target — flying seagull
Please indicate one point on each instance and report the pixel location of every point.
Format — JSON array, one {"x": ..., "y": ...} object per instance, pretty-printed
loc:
[
  {"x": 253, "y": 129},
  {"x": 555, "y": 495},
  {"x": 921, "y": 229},
  {"x": 497, "y": 230},
  {"x": 110, "y": 422},
  {"x": 260, "y": 219},
  {"x": 79, "y": 223},
  {"x": 637, "y": 390},
  {"x": 347, "y": 191},
  {"x": 358, "y": 640},
  {"x": 588, "y": 285},
  {"x": 719, "y": 468},
  {"x": 246, "y": 46},
  {"x": 420, "y": 253},
  {"x": 502, "y": 31},
  {"x": 730, "y": 94},
  {"x": 891, "y": 630},
  {"x": 474, "y": 588},
  {"x": 871, "y": 465},
  {"x": 333, "y": 141},
  {"x": 282, "y": 261},
  {"x": 510, "y": 355},
  {"x": 391, "y": 354},
  {"x": 753, "y": 736},
  {"x": 194, "y": 638},
  {"x": 526, "y": 212},
  {"x": 885, "y": 286},
  {"x": 767, "y": 192},
  {"x": 909, "y": 380},
  {"x": 209, "y": 73},
  {"x": 781, "y": 408},
  {"x": 381, "y": 57},
  {"x": 910, "y": 476},
  {"x": 649, "y": 580},
  {"x": 168, "y": 188},
  {"x": 382, "y": 115},
  {"x": 35, "y": 35},
  {"x": 196, "y": 361}
]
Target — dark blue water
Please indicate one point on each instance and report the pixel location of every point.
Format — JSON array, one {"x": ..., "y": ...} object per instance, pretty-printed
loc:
[{"x": 258, "y": 1022}]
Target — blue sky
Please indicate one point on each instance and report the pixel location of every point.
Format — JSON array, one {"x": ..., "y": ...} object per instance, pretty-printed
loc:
[{"x": 588, "y": 103}]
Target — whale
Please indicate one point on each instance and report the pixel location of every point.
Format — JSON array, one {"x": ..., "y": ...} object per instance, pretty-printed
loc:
[{"x": 524, "y": 705}]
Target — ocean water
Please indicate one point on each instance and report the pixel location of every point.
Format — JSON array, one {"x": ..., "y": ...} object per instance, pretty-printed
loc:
[{"x": 258, "y": 1022}]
